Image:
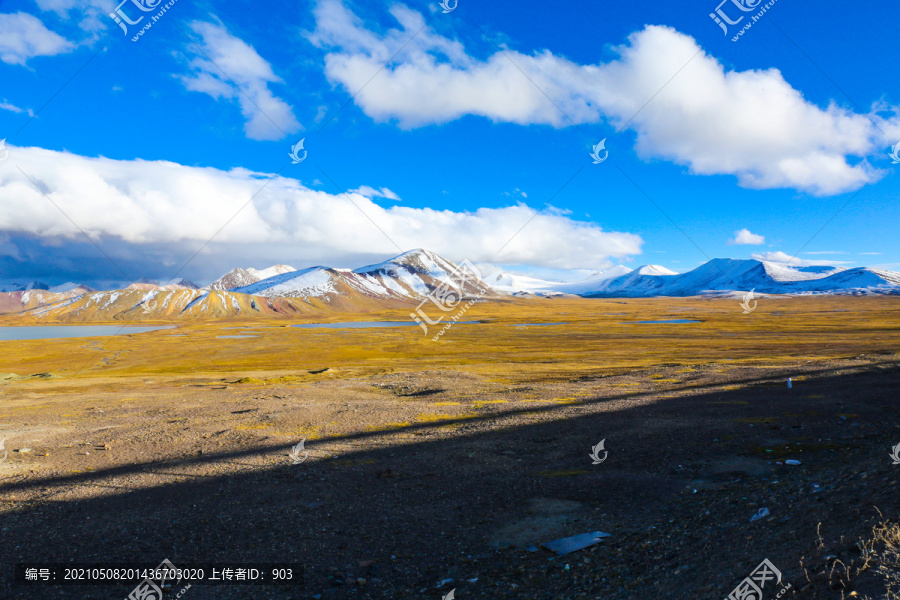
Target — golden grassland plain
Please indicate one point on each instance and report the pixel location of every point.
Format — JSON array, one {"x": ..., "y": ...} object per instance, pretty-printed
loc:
[
  {"x": 599, "y": 337},
  {"x": 457, "y": 439}
]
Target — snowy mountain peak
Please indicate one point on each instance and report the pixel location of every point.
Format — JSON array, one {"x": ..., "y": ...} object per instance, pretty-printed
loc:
[
  {"x": 785, "y": 272},
  {"x": 418, "y": 261},
  {"x": 272, "y": 271},
  {"x": 22, "y": 286},
  {"x": 654, "y": 270},
  {"x": 71, "y": 287},
  {"x": 410, "y": 277},
  {"x": 615, "y": 271},
  {"x": 180, "y": 284}
]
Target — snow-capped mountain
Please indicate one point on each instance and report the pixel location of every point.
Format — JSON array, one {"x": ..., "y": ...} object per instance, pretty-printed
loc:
[
  {"x": 416, "y": 272},
  {"x": 240, "y": 277},
  {"x": 399, "y": 282},
  {"x": 723, "y": 275},
  {"x": 522, "y": 284},
  {"x": 18, "y": 301},
  {"x": 151, "y": 284},
  {"x": 720, "y": 276},
  {"x": 598, "y": 280},
  {"x": 72, "y": 287},
  {"x": 22, "y": 286},
  {"x": 512, "y": 283},
  {"x": 409, "y": 278}
]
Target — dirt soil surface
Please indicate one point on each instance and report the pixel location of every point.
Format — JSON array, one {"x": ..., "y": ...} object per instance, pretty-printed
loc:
[{"x": 421, "y": 482}]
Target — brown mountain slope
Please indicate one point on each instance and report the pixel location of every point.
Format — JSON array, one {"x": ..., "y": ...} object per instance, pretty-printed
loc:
[{"x": 138, "y": 305}]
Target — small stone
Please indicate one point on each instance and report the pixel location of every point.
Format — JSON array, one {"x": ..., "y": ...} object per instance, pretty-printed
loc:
[
  {"x": 361, "y": 580},
  {"x": 24, "y": 450}
]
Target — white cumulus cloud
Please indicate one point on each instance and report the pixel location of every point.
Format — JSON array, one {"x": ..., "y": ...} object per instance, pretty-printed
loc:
[
  {"x": 92, "y": 15},
  {"x": 371, "y": 192},
  {"x": 227, "y": 63},
  {"x": 4, "y": 105},
  {"x": 745, "y": 237},
  {"x": 24, "y": 36},
  {"x": 172, "y": 206},
  {"x": 752, "y": 124}
]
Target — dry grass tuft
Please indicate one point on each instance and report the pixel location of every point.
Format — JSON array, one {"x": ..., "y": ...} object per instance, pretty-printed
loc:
[
  {"x": 881, "y": 555},
  {"x": 879, "y": 558}
]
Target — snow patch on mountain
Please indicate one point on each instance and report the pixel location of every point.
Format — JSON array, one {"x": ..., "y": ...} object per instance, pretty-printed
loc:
[
  {"x": 239, "y": 277},
  {"x": 22, "y": 286},
  {"x": 316, "y": 281}
]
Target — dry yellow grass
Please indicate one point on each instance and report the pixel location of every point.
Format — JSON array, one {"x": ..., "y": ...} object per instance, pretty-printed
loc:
[{"x": 595, "y": 343}]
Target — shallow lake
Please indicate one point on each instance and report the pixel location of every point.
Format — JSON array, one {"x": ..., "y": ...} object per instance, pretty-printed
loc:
[
  {"x": 676, "y": 321},
  {"x": 537, "y": 324},
  {"x": 50, "y": 332},
  {"x": 368, "y": 324}
]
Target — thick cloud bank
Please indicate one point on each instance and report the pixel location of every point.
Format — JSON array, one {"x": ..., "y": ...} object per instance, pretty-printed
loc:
[{"x": 752, "y": 124}]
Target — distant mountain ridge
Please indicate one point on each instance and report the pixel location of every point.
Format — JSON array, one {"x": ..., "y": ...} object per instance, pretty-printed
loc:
[
  {"x": 240, "y": 277},
  {"x": 409, "y": 277},
  {"x": 151, "y": 284},
  {"x": 722, "y": 275}
]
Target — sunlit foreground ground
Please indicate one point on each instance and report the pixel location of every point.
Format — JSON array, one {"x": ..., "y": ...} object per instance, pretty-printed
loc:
[{"x": 430, "y": 461}]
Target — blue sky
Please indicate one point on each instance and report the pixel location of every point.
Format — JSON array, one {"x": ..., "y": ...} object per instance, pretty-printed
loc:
[{"x": 484, "y": 115}]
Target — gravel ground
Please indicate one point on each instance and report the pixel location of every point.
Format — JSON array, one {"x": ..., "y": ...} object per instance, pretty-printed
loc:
[{"x": 414, "y": 479}]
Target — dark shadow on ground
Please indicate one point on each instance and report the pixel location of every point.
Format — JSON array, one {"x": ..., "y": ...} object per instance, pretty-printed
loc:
[{"x": 464, "y": 503}]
